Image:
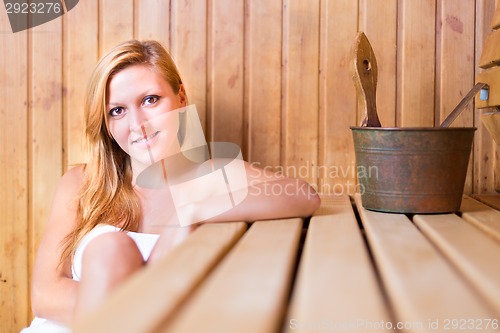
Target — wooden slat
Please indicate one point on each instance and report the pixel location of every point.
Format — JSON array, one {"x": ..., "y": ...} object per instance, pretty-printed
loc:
[
  {"x": 225, "y": 71},
  {"x": 491, "y": 120},
  {"x": 482, "y": 216},
  {"x": 495, "y": 23},
  {"x": 263, "y": 82},
  {"x": 115, "y": 23},
  {"x": 476, "y": 255},
  {"x": 421, "y": 285},
  {"x": 492, "y": 200},
  {"x": 491, "y": 51},
  {"x": 337, "y": 104},
  {"x": 80, "y": 54},
  {"x": 14, "y": 294},
  {"x": 152, "y": 296},
  {"x": 416, "y": 63},
  {"x": 152, "y": 21},
  {"x": 300, "y": 87},
  {"x": 336, "y": 283},
  {"x": 492, "y": 78},
  {"x": 188, "y": 45},
  {"x": 248, "y": 290},
  {"x": 45, "y": 126}
]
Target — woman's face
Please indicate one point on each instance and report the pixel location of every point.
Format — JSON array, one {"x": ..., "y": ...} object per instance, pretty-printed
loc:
[{"x": 139, "y": 114}]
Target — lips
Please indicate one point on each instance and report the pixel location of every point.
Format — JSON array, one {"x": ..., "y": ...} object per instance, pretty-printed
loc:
[{"x": 145, "y": 139}]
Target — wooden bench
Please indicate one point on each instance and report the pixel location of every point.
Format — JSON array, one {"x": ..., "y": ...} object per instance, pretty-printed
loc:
[{"x": 346, "y": 269}]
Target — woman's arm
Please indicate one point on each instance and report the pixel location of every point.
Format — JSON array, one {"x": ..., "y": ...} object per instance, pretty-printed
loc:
[
  {"x": 53, "y": 293},
  {"x": 271, "y": 196}
]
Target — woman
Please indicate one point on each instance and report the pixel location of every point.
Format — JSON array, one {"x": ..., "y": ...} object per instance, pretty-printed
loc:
[{"x": 83, "y": 255}]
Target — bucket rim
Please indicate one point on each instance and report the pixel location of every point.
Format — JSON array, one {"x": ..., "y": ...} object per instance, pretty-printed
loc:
[{"x": 412, "y": 129}]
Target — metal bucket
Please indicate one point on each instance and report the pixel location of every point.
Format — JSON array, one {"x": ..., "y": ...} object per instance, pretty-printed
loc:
[{"x": 412, "y": 170}]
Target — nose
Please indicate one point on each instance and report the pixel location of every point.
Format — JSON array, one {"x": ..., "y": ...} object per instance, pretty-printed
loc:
[{"x": 136, "y": 119}]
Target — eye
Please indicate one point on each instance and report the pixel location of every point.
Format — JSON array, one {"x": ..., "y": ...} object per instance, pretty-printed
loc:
[
  {"x": 117, "y": 112},
  {"x": 149, "y": 100}
]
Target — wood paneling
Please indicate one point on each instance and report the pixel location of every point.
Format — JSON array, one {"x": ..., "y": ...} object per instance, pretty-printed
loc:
[
  {"x": 45, "y": 126},
  {"x": 299, "y": 149},
  {"x": 416, "y": 62},
  {"x": 225, "y": 70},
  {"x": 14, "y": 197},
  {"x": 80, "y": 54},
  {"x": 272, "y": 76},
  {"x": 337, "y": 97},
  {"x": 455, "y": 65},
  {"x": 484, "y": 146},
  {"x": 189, "y": 48},
  {"x": 262, "y": 122}
]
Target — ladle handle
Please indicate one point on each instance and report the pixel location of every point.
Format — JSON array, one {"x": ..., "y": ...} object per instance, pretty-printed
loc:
[
  {"x": 364, "y": 75},
  {"x": 463, "y": 103}
]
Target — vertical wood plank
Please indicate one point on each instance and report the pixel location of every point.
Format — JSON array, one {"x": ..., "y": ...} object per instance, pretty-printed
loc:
[
  {"x": 455, "y": 58},
  {"x": 337, "y": 97},
  {"x": 383, "y": 38},
  {"x": 455, "y": 64},
  {"x": 225, "y": 78},
  {"x": 189, "y": 48},
  {"x": 263, "y": 81},
  {"x": 115, "y": 23},
  {"x": 80, "y": 54},
  {"x": 416, "y": 62},
  {"x": 152, "y": 20},
  {"x": 300, "y": 88},
  {"x": 45, "y": 147},
  {"x": 484, "y": 146},
  {"x": 14, "y": 304}
]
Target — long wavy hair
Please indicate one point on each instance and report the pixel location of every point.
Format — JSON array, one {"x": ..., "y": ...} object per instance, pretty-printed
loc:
[{"x": 107, "y": 195}]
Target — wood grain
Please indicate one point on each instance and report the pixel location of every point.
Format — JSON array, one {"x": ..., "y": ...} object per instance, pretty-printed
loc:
[
  {"x": 491, "y": 53},
  {"x": 455, "y": 67},
  {"x": 152, "y": 20},
  {"x": 115, "y": 23},
  {"x": 416, "y": 63},
  {"x": 484, "y": 147},
  {"x": 80, "y": 55},
  {"x": 14, "y": 186},
  {"x": 247, "y": 292},
  {"x": 420, "y": 284},
  {"x": 337, "y": 97},
  {"x": 262, "y": 113},
  {"x": 300, "y": 88},
  {"x": 476, "y": 255},
  {"x": 336, "y": 281},
  {"x": 45, "y": 137},
  {"x": 383, "y": 38},
  {"x": 188, "y": 45},
  {"x": 482, "y": 216},
  {"x": 225, "y": 70},
  {"x": 175, "y": 278}
]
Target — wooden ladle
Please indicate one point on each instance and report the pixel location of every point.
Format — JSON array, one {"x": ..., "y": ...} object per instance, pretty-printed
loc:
[{"x": 364, "y": 75}]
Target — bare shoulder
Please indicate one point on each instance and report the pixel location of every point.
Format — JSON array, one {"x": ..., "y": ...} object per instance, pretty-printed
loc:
[
  {"x": 72, "y": 181},
  {"x": 67, "y": 191}
]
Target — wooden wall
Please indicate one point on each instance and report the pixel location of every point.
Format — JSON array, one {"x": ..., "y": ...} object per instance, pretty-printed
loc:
[{"x": 270, "y": 75}]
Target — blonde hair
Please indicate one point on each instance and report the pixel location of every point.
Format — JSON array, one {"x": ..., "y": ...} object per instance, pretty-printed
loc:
[{"x": 107, "y": 195}]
